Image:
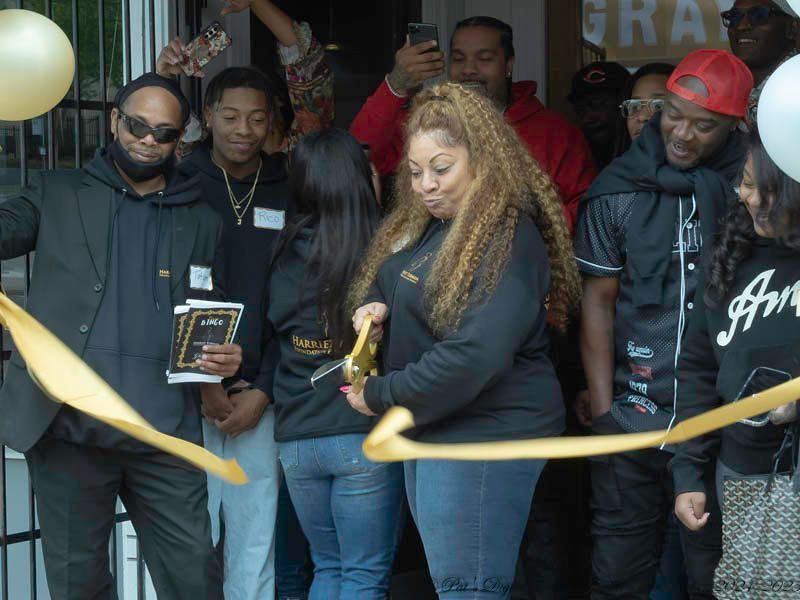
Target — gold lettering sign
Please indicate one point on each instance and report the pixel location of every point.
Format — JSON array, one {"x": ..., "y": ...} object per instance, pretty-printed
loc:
[{"x": 635, "y": 32}]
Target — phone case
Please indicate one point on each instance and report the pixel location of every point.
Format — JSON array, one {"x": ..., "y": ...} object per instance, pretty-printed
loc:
[
  {"x": 205, "y": 47},
  {"x": 422, "y": 32}
]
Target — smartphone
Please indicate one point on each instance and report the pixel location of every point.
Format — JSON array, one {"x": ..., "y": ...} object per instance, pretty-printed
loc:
[
  {"x": 760, "y": 380},
  {"x": 423, "y": 32},
  {"x": 205, "y": 47}
]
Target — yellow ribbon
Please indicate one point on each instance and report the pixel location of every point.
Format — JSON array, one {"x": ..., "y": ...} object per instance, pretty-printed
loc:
[
  {"x": 65, "y": 378},
  {"x": 385, "y": 444}
]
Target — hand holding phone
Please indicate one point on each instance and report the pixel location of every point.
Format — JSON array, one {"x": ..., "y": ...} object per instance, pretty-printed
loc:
[
  {"x": 170, "y": 57},
  {"x": 415, "y": 63},
  {"x": 203, "y": 49}
]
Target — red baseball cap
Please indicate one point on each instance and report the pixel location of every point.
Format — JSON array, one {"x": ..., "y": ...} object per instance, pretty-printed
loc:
[{"x": 727, "y": 79}]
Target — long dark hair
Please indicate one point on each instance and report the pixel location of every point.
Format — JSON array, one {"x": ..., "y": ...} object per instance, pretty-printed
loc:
[
  {"x": 330, "y": 185},
  {"x": 737, "y": 235},
  {"x": 623, "y": 139}
]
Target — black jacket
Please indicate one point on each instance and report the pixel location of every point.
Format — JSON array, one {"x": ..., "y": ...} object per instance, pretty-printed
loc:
[
  {"x": 67, "y": 218},
  {"x": 645, "y": 222},
  {"x": 300, "y": 410},
  {"x": 247, "y": 248},
  {"x": 491, "y": 378},
  {"x": 755, "y": 326}
]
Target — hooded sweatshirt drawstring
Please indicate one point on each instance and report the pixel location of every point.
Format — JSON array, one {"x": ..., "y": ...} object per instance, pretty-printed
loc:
[
  {"x": 155, "y": 251},
  {"x": 181, "y": 190}
]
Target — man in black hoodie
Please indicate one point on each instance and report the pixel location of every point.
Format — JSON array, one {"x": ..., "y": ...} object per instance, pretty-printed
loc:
[
  {"x": 247, "y": 189},
  {"x": 640, "y": 237},
  {"x": 117, "y": 245}
]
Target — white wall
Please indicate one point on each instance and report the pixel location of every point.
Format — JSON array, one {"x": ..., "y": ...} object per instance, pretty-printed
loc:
[{"x": 526, "y": 17}]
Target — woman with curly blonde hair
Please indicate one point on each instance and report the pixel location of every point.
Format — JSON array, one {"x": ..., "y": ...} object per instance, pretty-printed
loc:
[{"x": 467, "y": 270}]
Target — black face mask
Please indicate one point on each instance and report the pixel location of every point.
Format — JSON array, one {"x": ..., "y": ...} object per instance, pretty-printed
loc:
[{"x": 139, "y": 171}]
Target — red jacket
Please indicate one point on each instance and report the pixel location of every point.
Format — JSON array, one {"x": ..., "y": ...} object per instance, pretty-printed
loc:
[{"x": 557, "y": 145}]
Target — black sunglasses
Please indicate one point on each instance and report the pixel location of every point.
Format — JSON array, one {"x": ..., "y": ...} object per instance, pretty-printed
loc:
[
  {"x": 162, "y": 135},
  {"x": 756, "y": 15}
]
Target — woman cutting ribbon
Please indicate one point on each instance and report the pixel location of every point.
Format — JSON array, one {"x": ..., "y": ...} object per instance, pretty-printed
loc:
[{"x": 461, "y": 271}]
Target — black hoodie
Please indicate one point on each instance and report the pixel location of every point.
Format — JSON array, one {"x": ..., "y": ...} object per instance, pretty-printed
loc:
[
  {"x": 247, "y": 248},
  {"x": 300, "y": 410},
  {"x": 756, "y": 325},
  {"x": 129, "y": 341},
  {"x": 491, "y": 378}
]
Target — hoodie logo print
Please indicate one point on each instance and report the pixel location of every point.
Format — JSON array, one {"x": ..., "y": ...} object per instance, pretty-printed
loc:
[
  {"x": 743, "y": 309},
  {"x": 635, "y": 351}
]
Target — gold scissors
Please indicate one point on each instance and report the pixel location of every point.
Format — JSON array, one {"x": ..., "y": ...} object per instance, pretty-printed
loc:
[
  {"x": 361, "y": 361},
  {"x": 354, "y": 367}
]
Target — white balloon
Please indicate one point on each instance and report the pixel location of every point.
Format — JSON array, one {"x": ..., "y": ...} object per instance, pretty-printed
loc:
[
  {"x": 36, "y": 64},
  {"x": 779, "y": 117}
]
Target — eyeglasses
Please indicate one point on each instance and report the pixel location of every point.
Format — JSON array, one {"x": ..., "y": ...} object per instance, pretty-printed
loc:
[
  {"x": 162, "y": 135},
  {"x": 756, "y": 15},
  {"x": 631, "y": 108}
]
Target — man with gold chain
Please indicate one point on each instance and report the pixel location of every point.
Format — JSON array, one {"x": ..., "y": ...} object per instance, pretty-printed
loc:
[{"x": 248, "y": 189}]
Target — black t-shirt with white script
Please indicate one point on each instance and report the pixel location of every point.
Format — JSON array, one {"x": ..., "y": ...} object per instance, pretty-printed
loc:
[{"x": 755, "y": 327}]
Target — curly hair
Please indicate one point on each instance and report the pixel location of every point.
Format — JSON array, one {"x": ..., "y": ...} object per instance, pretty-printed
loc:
[
  {"x": 507, "y": 183},
  {"x": 737, "y": 234}
]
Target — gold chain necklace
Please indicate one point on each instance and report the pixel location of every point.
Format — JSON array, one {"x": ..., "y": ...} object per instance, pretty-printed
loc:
[{"x": 247, "y": 199}]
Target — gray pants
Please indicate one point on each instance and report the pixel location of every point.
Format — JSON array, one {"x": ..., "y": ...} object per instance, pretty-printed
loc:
[{"x": 76, "y": 489}]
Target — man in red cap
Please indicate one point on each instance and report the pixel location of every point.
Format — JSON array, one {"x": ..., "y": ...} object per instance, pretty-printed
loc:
[{"x": 646, "y": 221}]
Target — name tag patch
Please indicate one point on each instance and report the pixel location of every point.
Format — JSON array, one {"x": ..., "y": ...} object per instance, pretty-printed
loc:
[
  {"x": 200, "y": 278},
  {"x": 267, "y": 218}
]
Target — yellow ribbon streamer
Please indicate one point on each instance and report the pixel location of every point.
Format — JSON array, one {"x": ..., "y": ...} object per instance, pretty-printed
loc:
[
  {"x": 385, "y": 444},
  {"x": 65, "y": 378}
]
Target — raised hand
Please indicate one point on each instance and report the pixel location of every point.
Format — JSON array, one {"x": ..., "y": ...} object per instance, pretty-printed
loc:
[{"x": 415, "y": 64}]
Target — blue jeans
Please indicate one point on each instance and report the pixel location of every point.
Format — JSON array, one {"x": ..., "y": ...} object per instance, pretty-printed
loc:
[
  {"x": 471, "y": 517},
  {"x": 247, "y": 511},
  {"x": 349, "y": 509}
]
